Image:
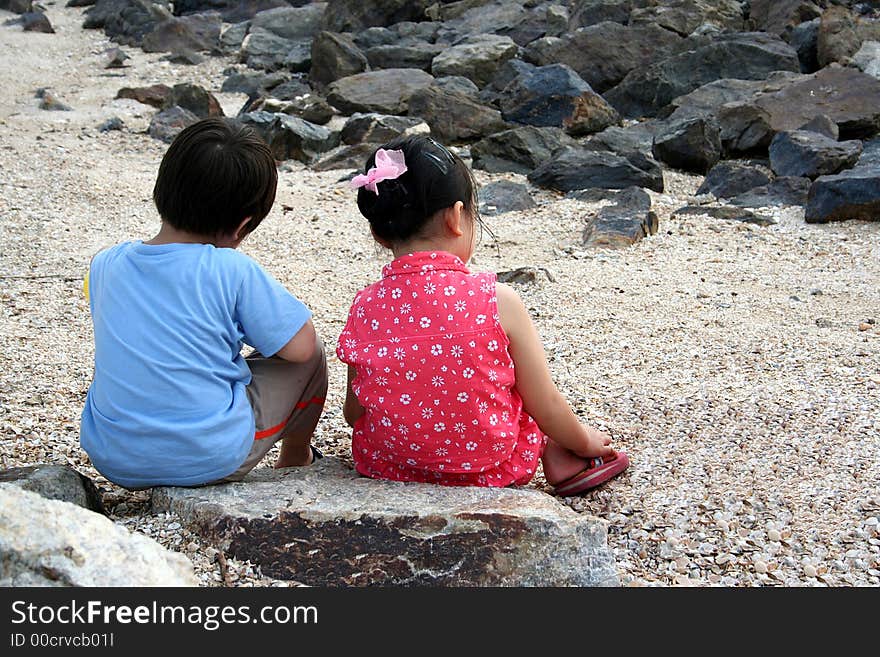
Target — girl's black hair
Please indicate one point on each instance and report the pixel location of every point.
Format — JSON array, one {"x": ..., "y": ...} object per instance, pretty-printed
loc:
[
  {"x": 435, "y": 179},
  {"x": 215, "y": 173}
]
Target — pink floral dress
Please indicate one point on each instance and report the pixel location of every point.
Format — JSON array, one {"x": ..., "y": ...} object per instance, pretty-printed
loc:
[{"x": 436, "y": 380}]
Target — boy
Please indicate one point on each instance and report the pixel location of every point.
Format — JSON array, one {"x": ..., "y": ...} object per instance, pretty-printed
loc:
[{"x": 172, "y": 401}]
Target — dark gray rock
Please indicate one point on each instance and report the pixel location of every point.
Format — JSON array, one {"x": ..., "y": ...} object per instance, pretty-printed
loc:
[
  {"x": 326, "y": 526},
  {"x": 556, "y": 96},
  {"x": 731, "y": 178},
  {"x": 779, "y": 17},
  {"x": 126, "y": 21},
  {"x": 347, "y": 16},
  {"x": 571, "y": 168},
  {"x": 454, "y": 116},
  {"x": 113, "y": 123},
  {"x": 115, "y": 58},
  {"x": 290, "y": 137},
  {"x": 690, "y": 144},
  {"x": 604, "y": 54},
  {"x": 233, "y": 36},
  {"x": 252, "y": 82},
  {"x": 418, "y": 54},
  {"x": 310, "y": 107},
  {"x": 748, "y": 56},
  {"x": 784, "y": 190},
  {"x": 80, "y": 3},
  {"x": 196, "y": 99},
  {"x": 233, "y": 11},
  {"x": 491, "y": 93},
  {"x": 852, "y": 194},
  {"x": 623, "y": 223},
  {"x": 335, "y": 56},
  {"x": 156, "y": 95},
  {"x": 838, "y": 38},
  {"x": 185, "y": 57},
  {"x": 168, "y": 123},
  {"x": 56, "y": 482},
  {"x": 726, "y": 212},
  {"x": 195, "y": 33},
  {"x": 744, "y": 128},
  {"x": 299, "y": 58},
  {"x": 268, "y": 51},
  {"x": 380, "y": 128},
  {"x": 634, "y": 138},
  {"x": 519, "y": 150},
  {"x": 590, "y": 12},
  {"x": 17, "y": 6},
  {"x": 292, "y": 23},
  {"x": 290, "y": 89},
  {"x": 810, "y": 154},
  {"x": 707, "y": 101},
  {"x": 823, "y": 125},
  {"x": 375, "y": 36},
  {"x": 46, "y": 542},
  {"x": 867, "y": 59},
  {"x": 35, "y": 21},
  {"x": 685, "y": 16},
  {"x": 477, "y": 58},
  {"x": 504, "y": 196},
  {"x": 847, "y": 96},
  {"x": 804, "y": 39},
  {"x": 509, "y": 18},
  {"x": 386, "y": 91},
  {"x": 460, "y": 84}
]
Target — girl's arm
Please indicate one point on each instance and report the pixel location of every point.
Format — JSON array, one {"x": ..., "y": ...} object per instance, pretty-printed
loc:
[
  {"x": 352, "y": 409},
  {"x": 541, "y": 398}
]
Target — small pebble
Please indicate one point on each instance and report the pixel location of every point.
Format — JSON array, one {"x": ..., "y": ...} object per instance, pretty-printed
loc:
[
  {"x": 760, "y": 567},
  {"x": 810, "y": 570}
]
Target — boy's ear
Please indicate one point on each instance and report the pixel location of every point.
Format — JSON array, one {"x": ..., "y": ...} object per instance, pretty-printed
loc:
[
  {"x": 452, "y": 217},
  {"x": 240, "y": 232}
]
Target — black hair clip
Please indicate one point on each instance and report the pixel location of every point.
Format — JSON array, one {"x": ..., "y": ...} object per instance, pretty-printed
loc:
[{"x": 436, "y": 160}]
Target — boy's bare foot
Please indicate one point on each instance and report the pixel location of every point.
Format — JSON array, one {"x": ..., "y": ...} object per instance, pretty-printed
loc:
[{"x": 292, "y": 457}]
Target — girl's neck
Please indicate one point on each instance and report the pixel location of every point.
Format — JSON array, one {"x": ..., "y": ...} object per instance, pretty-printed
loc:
[
  {"x": 455, "y": 247},
  {"x": 168, "y": 234}
]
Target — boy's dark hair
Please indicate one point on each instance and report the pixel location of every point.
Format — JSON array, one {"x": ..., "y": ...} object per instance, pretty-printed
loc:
[
  {"x": 435, "y": 179},
  {"x": 215, "y": 173}
]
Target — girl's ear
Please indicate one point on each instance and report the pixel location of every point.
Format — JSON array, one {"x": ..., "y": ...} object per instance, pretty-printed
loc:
[
  {"x": 240, "y": 233},
  {"x": 453, "y": 217}
]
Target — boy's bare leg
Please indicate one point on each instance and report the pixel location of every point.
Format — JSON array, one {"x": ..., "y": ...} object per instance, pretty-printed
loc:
[{"x": 296, "y": 446}]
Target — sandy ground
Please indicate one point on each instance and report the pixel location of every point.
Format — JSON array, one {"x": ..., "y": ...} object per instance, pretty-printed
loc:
[{"x": 727, "y": 359}]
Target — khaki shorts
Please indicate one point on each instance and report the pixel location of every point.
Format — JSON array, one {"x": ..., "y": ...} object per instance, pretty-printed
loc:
[{"x": 286, "y": 397}]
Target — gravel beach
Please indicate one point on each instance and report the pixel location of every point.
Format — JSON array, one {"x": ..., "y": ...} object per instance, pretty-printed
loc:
[{"x": 738, "y": 365}]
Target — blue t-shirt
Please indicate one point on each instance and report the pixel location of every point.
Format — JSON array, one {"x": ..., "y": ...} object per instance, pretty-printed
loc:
[{"x": 167, "y": 405}]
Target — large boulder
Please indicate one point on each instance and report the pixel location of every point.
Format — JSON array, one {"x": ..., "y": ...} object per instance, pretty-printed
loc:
[
  {"x": 156, "y": 95},
  {"x": 263, "y": 49},
  {"x": 747, "y": 56},
  {"x": 685, "y": 16},
  {"x": 575, "y": 167},
  {"x": 326, "y": 526},
  {"x": 733, "y": 177},
  {"x": 784, "y": 190},
  {"x": 853, "y": 194},
  {"x": 634, "y": 138},
  {"x": 838, "y": 38},
  {"x": 519, "y": 150},
  {"x": 126, "y": 21},
  {"x": 290, "y": 137},
  {"x": 253, "y": 82},
  {"x": 348, "y": 16},
  {"x": 847, "y": 96},
  {"x": 17, "y": 6},
  {"x": 418, "y": 54},
  {"x": 779, "y": 17},
  {"x": 187, "y": 33},
  {"x": 522, "y": 22},
  {"x": 628, "y": 219},
  {"x": 477, "y": 58},
  {"x": 380, "y": 128},
  {"x": 168, "y": 123},
  {"x": 46, "y": 542},
  {"x": 690, "y": 144},
  {"x": 604, "y": 54},
  {"x": 56, "y": 482},
  {"x": 744, "y": 128},
  {"x": 335, "y": 56},
  {"x": 555, "y": 95},
  {"x": 232, "y": 11},
  {"x": 590, "y": 12},
  {"x": 292, "y": 23},
  {"x": 387, "y": 91},
  {"x": 453, "y": 115},
  {"x": 804, "y": 38},
  {"x": 811, "y": 154},
  {"x": 504, "y": 196},
  {"x": 867, "y": 59}
]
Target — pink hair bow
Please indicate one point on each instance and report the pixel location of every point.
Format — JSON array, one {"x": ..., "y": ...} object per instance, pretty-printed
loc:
[{"x": 389, "y": 165}]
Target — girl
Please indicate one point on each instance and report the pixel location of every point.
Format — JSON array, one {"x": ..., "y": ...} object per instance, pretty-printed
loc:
[{"x": 447, "y": 377}]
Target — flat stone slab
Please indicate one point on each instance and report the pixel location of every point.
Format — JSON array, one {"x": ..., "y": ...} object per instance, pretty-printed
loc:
[
  {"x": 325, "y": 525},
  {"x": 56, "y": 482}
]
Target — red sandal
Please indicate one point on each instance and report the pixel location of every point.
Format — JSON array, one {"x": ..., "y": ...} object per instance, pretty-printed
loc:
[{"x": 598, "y": 471}]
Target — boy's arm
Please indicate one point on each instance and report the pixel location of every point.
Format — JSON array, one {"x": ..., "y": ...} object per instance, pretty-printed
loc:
[
  {"x": 352, "y": 409},
  {"x": 301, "y": 347},
  {"x": 541, "y": 398}
]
